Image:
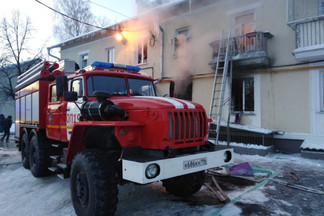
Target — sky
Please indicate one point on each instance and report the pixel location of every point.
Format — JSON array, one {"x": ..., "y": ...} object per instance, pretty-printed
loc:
[{"x": 42, "y": 17}]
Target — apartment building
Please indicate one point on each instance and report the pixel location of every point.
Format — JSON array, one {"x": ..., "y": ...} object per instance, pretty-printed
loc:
[{"x": 277, "y": 57}]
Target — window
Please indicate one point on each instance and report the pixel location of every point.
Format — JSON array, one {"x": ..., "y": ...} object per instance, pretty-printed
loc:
[
  {"x": 141, "y": 54},
  {"x": 244, "y": 24},
  {"x": 139, "y": 87},
  {"x": 243, "y": 95},
  {"x": 84, "y": 60},
  {"x": 181, "y": 38},
  {"x": 109, "y": 84},
  {"x": 110, "y": 55},
  {"x": 321, "y": 7},
  {"x": 53, "y": 97},
  {"x": 77, "y": 87},
  {"x": 322, "y": 91}
]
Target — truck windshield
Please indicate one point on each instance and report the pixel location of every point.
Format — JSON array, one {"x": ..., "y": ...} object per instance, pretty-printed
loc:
[
  {"x": 110, "y": 84},
  {"x": 140, "y": 87}
]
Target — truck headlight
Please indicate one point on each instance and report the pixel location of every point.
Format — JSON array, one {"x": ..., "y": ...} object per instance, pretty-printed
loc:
[
  {"x": 227, "y": 156},
  {"x": 152, "y": 170}
]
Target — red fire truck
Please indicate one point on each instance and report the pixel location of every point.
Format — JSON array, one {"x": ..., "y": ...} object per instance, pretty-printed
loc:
[{"x": 104, "y": 125}]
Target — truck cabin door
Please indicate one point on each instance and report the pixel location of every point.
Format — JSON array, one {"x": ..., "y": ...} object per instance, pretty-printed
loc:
[{"x": 56, "y": 116}]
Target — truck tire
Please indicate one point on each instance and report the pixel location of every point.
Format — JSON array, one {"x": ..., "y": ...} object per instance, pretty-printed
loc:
[
  {"x": 24, "y": 146},
  {"x": 94, "y": 188},
  {"x": 186, "y": 185},
  {"x": 39, "y": 159}
]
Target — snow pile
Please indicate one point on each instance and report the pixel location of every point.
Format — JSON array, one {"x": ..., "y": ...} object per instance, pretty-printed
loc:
[{"x": 313, "y": 143}]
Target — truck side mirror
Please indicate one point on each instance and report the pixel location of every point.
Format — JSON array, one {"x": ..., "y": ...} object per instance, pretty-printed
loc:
[
  {"x": 61, "y": 85},
  {"x": 164, "y": 87},
  {"x": 70, "y": 96}
]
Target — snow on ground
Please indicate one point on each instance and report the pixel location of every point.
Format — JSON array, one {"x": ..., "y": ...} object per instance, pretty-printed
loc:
[{"x": 21, "y": 194}]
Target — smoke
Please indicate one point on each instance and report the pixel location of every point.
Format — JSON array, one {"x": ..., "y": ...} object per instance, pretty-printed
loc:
[{"x": 186, "y": 47}]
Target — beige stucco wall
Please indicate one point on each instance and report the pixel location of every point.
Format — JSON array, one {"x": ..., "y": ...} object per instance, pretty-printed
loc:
[{"x": 285, "y": 100}]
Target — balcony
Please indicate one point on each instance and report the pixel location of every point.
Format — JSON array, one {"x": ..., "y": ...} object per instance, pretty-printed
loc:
[
  {"x": 309, "y": 39},
  {"x": 249, "y": 50}
]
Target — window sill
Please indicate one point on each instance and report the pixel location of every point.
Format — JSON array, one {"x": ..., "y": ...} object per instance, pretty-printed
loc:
[
  {"x": 141, "y": 64},
  {"x": 244, "y": 113}
]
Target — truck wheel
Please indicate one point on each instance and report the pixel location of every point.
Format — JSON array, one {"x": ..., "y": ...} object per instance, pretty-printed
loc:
[
  {"x": 186, "y": 185},
  {"x": 94, "y": 188},
  {"x": 38, "y": 158},
  {"x": 24, "y": 146}
]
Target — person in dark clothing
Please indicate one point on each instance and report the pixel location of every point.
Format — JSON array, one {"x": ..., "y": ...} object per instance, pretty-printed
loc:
[{"x": 6, "y": 127}]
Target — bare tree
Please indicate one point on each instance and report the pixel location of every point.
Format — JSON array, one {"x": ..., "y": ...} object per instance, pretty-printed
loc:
[
  {"x": 65, "y": 27},
  {"x": 15, "y": 34}
]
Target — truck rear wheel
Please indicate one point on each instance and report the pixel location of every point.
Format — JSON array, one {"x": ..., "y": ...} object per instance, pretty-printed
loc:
[
  {"x": 94, "y": 188},
  {"x": 38, "y": 158},
  {"x": 186, "y": 185},
  {"x": 24, "y": 146}
]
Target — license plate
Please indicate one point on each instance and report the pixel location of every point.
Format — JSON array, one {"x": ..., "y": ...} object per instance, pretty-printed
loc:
[{"x": 194, "y": 163}]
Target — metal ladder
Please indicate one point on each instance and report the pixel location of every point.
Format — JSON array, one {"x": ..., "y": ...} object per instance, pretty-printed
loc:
[{"x": 219, "y": 86}]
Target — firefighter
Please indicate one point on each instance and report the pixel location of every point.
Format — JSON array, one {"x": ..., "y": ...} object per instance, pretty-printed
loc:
[{"x": 6, "y": 127}]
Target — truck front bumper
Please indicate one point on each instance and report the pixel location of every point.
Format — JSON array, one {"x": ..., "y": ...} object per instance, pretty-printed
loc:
[{"x": 171, "y": 167}]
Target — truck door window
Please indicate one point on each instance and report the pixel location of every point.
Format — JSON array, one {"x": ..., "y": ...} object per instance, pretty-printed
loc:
[
  {"x": 110, "y": 84},
  {"x": 77, "y": 87},
  {"x": 53, "y": 97},
  {"x": 140, "y": 87}
]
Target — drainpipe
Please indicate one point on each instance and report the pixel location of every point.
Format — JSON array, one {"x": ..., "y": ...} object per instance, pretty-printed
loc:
[
  {"x": 49, "y": 53},
  {"x": 162, "y": 51}
]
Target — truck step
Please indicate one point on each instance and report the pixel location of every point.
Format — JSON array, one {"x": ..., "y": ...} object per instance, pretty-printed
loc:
[
  {"x": 55, "y": 157},
  {"x": 53, "y": 169},
  {"x": 62, "y": 176},
  {"x": 55, "y": 145},
  {"x": 62, "y": 166}
]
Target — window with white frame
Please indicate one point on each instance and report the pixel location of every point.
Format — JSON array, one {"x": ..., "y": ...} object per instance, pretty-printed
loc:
[
  {"x": 321, "y": 91},
  {"x": 243, "y": 94},
  {"x": 84, "y": 60},
  {"x": 110, "y": 54},
  {"x": 141, "y": 53}
]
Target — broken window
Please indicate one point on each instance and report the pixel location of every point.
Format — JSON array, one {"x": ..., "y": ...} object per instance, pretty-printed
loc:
[
  {"x": 243, "y": 94},
  {"x": 141, "y": 54}
]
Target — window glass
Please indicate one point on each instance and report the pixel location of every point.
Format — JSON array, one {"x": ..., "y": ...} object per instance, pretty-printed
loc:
[
  {"x": 77, "y": 87},
  {"x": 111, "y": 55},
  {"x": 139, "y": 87},
  {"x": 142, "y": 53},
  {"x": 84, "y": 60},
  {"x": 53, "y": 97},
  {"x": 321, "y": 7},
  {"x": 243, "y": 94},
  {"x": 109, "y": 84}
]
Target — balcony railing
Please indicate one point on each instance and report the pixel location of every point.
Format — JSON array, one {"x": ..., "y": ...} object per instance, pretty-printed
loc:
[
  {"x": 245, "y": 49},
  {"x": 310, "y": 32},
  {"x": 309, "y": 39}
]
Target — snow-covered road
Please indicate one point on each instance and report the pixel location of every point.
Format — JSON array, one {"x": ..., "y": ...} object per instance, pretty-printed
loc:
[{"x": 22, "y": 195}]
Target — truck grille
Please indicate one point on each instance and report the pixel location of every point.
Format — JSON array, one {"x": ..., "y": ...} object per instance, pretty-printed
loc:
[{"x": 187, "y": 127}]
